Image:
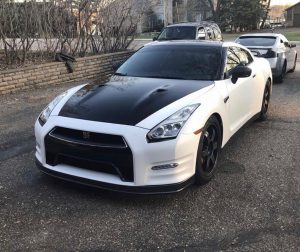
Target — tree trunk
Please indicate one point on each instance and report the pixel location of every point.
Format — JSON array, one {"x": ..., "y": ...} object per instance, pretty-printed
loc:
[{"x": 266, "y": 15}]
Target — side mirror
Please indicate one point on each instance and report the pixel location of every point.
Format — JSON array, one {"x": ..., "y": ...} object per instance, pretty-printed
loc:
[
  {"x": 155, "y": 38},
  {"x": 292, "y": 45},
  {"x": 240, "y": 72}
]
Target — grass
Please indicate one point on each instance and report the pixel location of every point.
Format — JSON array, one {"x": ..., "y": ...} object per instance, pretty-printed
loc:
[{"x": 292, "y": 34}]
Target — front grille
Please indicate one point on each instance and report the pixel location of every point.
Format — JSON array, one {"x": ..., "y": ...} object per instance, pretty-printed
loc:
[
  {"x": 88, "y": 138},
  {"x": 92, "y": 151}
]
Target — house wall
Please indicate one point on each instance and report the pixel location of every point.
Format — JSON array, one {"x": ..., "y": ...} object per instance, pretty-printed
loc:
[{"x": 293, "y": 16}]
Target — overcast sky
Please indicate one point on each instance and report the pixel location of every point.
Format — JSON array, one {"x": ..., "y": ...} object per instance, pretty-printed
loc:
[{"x": 283, "y": 2}]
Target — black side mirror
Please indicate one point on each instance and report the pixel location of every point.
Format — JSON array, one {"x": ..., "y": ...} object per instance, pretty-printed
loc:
[
  {"x": 116, "y": 65},
  {"x": 240, "y": 72},
  {"x": 292, "y": 45},
  {"x": 155, "y": 38}
]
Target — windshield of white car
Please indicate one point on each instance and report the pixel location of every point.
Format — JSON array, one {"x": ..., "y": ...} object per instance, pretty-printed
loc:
[
  {"x": 185, "y": 62},
  {"x": 257, "y": 41},
  {"x": 178, "y": 33}
]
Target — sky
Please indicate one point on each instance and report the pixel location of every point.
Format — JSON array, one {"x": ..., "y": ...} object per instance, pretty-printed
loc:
[{"x": 284, "y": 2}]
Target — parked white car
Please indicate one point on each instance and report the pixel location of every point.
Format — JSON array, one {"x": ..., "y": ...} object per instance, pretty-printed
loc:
[
  {"x": 275, "y": 48},
  {"x": 159, "y": 123}
]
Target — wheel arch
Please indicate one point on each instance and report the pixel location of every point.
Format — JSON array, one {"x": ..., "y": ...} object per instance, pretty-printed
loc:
[{"x": 219, "y": 118}]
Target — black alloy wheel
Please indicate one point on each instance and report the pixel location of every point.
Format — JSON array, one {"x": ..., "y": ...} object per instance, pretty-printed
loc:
[
  {"x": 266, "y": 102},
  {"x": 208, "y": 151}
]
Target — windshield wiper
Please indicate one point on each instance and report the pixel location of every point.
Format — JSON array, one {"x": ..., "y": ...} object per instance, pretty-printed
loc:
[{"x": 120, "y": 74}]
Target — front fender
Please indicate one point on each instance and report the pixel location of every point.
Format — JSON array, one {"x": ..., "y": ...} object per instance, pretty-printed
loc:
[{"x": 212, "y": 103}]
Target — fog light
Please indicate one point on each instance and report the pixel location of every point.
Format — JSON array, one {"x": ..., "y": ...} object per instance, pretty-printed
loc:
[{"x": 164, "y": 167}]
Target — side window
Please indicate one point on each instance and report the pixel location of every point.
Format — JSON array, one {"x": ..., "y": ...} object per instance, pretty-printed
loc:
[
  {"x": 210, "y": 33},
  {"x": 217, "y": 33},
  {"x": 245, "y": 57},
  {"x": 201, "y": 33},
  {"x": 233, "y": 59}
]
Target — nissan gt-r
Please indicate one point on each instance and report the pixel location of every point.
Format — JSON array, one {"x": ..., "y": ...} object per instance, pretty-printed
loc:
[{"x": 159, "y": 123}]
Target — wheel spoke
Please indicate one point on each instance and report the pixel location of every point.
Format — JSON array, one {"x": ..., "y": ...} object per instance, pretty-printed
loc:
[
  {"x": 205, "y": 152},
  {"x": 213, "y": 135},
  {"x": 207, "y": 164},
  {"x": 213, "y": 160},
  {"x": 215, "y": 145}
]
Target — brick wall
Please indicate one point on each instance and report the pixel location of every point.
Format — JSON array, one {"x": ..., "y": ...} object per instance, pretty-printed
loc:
[{"x": 36, "y": 76}]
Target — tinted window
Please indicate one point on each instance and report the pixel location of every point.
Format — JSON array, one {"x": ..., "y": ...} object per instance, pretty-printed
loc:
[
  {"x": 190, "y": 62},
  {"x": 233, "y": 59},
  {"x": 245, "y": 56},
  {"x": 256, "y": 41},
  {"x": 210, "y": 33},
  {"x": 178, "y": 33}
]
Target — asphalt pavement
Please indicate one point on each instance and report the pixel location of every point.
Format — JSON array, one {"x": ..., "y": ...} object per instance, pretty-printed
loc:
[{"x": 252, "y": 204}]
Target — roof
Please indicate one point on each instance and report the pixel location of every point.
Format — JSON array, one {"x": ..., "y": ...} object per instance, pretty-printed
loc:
[
  {"x": 292, "y": 6},
  {"x": 202, "y": 23}
]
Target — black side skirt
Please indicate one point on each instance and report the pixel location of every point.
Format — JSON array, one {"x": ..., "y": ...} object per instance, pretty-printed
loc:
[{"x": 161, "y": 189}]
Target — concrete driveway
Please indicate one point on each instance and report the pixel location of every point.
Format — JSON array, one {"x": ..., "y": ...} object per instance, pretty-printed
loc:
[{"x": 252, "y": 204}]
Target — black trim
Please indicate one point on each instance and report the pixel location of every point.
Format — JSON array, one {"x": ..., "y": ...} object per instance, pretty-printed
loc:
[
  {"x": 160, "y": 189},
  {"x": 226, "y": 99},
  {"x": 118, "y": 161}
]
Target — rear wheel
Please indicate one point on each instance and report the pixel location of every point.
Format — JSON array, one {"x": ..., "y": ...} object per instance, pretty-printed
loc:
[
  {"x": 266, "y": 102},
  {"x": 280, "y": 78},
  {"x": 295, "y": 64},
  {"x": 208, "y": 151}
]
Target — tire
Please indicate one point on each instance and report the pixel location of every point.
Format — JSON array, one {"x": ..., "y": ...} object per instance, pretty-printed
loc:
[
  {"x": 280, "y": 78},
  {"x": 208, "y": 151},
  {"x": 295, "y": 65},
  {"x": 263, "y": 116}
]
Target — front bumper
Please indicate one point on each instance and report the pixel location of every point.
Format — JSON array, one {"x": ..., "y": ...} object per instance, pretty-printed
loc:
[
  {"x": 181, "y": 151},
  {"x": 160, "y": 189}
]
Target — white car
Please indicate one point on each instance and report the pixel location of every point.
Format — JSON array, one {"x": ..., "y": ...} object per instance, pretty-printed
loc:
[
  {"x": 275, "y": 48},
  {"x": 159, "y": 123}
]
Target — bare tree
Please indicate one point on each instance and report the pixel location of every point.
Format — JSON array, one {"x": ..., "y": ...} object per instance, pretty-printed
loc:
[{"x": 78, "y": 27}]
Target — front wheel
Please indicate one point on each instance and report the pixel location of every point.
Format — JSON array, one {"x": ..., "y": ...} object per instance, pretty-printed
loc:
[
  {"x": 208, "y": 151},
  {"x": 266, "y": 102}
]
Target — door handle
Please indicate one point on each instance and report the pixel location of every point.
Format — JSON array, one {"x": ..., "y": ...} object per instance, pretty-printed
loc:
[{"x": 254, "y": 75}]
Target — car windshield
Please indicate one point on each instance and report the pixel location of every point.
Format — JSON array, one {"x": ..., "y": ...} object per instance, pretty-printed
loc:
[
  {"x": 178, "y": 33},
  {"x": 187, "y": 62},
  {"x": 256, "y": 41}
]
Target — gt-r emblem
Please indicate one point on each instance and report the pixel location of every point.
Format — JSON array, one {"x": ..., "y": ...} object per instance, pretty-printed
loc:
[{"x": 85, "y": 135}]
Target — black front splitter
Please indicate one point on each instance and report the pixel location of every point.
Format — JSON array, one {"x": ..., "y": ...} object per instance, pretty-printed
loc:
[{"x": 161, "y": 189}]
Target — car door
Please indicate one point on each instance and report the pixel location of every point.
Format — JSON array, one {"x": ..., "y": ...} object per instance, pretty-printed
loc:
[{"x": 240, "y": 94}]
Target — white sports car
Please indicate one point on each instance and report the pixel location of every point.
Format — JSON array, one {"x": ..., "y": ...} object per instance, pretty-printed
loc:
[{"x": 160, "y": 121}]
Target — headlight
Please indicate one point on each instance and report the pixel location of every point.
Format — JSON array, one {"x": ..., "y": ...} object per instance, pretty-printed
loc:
[
  {"x": 44, "y": 116},
  {"x": 170, "y": 128}
]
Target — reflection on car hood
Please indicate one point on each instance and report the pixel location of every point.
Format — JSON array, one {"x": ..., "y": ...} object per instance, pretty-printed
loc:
[{"x": 127, "y": 100}]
